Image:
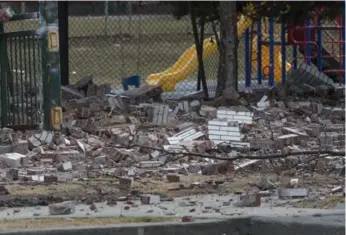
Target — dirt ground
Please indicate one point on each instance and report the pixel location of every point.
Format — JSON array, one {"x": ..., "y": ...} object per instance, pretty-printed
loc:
[{"x": 108, "y": 189}]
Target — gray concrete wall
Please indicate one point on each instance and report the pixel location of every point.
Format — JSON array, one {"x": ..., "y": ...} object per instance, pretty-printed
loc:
[{"x": 304, "y": 225}]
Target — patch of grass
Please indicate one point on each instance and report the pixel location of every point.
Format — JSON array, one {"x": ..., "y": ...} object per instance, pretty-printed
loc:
[
  {"x": 56, "y": 189},
  {"x": 74, "y": 222},
  {"x": 113, "y": 48}
]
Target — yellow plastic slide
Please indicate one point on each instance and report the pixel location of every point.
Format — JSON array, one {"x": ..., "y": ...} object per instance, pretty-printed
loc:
[
  {"x": 266, "y": 61},
  {"x": 188, "y": 62}
]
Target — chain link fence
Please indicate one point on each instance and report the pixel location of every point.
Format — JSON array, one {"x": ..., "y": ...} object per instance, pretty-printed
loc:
[{"x": 115, "y": 40}]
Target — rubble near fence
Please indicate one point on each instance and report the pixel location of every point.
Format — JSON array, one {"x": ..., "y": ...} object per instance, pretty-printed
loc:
[{"x": 135, "y": 135}]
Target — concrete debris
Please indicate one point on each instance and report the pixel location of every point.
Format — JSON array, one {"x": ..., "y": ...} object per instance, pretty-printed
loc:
[
  {"x": 64, "y": 208},
  {"x": 284, "y": 193},
  {"x": 249, "y": 200},
  {"x": 134, "y": 136},
  {"x": 150, "y": 199}
]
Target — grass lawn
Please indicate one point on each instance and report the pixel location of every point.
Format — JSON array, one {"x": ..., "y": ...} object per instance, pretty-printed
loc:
[
  {"x": 118, "y": 47},
  {"x": 40, "y": 223}
]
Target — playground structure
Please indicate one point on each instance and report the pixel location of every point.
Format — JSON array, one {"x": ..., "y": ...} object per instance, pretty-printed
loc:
[{"x": 266, "y": 52}]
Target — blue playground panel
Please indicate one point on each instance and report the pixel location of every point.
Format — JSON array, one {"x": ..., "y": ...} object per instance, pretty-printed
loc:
[{"x": 134, "y": 80}]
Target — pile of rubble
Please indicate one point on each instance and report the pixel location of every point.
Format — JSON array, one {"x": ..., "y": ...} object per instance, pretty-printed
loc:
[{"x": 132, "y": 135}]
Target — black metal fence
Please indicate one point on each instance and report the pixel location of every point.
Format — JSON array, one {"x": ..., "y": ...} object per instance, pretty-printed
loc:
[{"x": 114, "y": 40}]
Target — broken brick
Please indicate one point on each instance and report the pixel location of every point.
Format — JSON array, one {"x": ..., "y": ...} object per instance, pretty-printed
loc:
[{"x": 173, "y": 178}]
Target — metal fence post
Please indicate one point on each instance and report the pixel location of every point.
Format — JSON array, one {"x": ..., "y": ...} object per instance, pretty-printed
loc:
[
  {"x": 308, "y": 42},
  {"x": 271, "y": 52},
  {"x": 3, "y": 78},
  {"x": 259, "y": 52},
  {"x": 319, "y": 44},
  {"x": 283, "y": 52},
  {"x": 343, "y": 51},
  {"x": 50, "y": 64},
  {"x": 106, "y": 17},
  {"x": 247, "y": 59},
  {"x": 295, "y": 56}
]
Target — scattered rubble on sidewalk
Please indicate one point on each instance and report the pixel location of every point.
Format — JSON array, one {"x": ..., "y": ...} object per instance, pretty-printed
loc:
[{"x": 132, "y": 136}]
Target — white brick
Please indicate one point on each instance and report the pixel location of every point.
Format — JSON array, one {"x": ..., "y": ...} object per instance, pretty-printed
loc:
[
  {"x": 12, "y": 160},
  {"x": 234, "y": 133},
  {"x": 217, "y": 132},
  {"x": 214, "y": 137},
  {"x": 230, "y": 138},
  {"x": 195, "y": 136},
  {"x": 221, "y": 112},
  {"x": 225, "y": 133},
  {"x": 222, "y": 116},
  {"x": 233, "y": 143},
  {"x": 230, "y": 112},
  {"x": 216, "y": 122},
  {"x": 185, "y": 133},
  {"x": 173, "y": 140},
  {"x": 228, "y": 128},
  {"x": 210, "y": 127},
  {"x": 242, "y": 117}
]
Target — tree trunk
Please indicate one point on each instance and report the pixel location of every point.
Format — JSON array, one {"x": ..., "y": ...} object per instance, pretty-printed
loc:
[
  {"x": 199, "y": 49},
  {"x": 228, "y": 60}
]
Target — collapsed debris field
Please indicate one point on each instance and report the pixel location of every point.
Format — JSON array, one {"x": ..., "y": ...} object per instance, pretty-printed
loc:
[{"x": 114, "y": 148}]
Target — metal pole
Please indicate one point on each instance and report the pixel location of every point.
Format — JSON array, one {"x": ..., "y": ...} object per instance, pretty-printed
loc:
[
  {"x": 129, "y": 12},
  {"x": 3, "y": 79},
  {"x": 63, "y": 40},
  {"x": 283, "y": 52},
  {"x": 259, "y": 52},
  {"x": 319, "y": 44},
  {"x": 271, "y": 52},
  {"x": 308, "y": 42},
  {"x": 343, "y": 46},
  {"x": 49, "y": 35},
  {"x": 106, "y": 17},
  {"x": 22, "y": 8},
  {"x": 247, "y": 59}
]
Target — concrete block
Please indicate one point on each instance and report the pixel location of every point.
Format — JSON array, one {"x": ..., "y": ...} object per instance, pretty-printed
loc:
[
  {"x": 292, "y": 193},
  {"x": 150, "y": 199},
  {"x": 66, "y": 166},
  {"x": 250, "y": 200},
  {"x": 160, "y": 114},
  {"x": 34, "y": 142},
  {"x": 12, "y": 160},
  {"x": 63, "y": 208},
  {"x": 184, "y": 106},
  {"x": 45, "y": 137}
]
